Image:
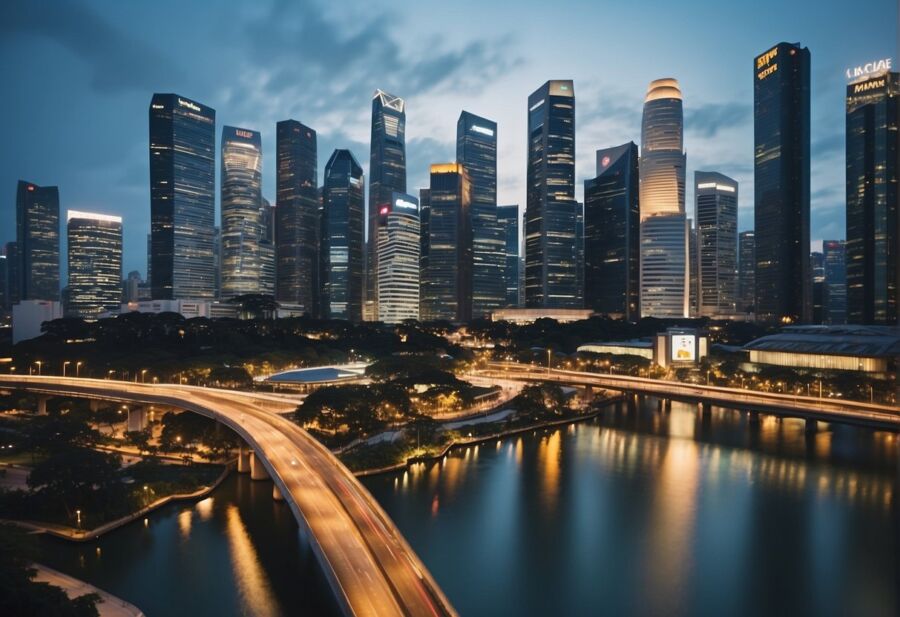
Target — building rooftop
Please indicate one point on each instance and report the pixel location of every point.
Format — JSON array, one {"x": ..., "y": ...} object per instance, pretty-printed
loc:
[{"x": 859, "y": 341}]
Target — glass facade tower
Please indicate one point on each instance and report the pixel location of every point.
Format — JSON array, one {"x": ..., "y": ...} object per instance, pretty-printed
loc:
[
  {"x": 508, "y": 219},
  {"x": 241, "y": 200},
  {"x": 873, "y": 224},
  {"x": 297, "y": 217},
  {"x": 36, "y": 259},
  {"x": 612, "y": 234},
  {"x": 95, "y": 263},
  {"x": 746, "y": 272},
  {"x": 834, "y": 256},
  {"x": 716, "y": 197},
  {"x": 781, "y": 183},
  {"x": 343, "y": 228},
  {"x": 665, "y": 274},
  {"x": 398, "y": 238},
  {"x": 551, "y": 277},
  {"x": 182, "y": 199}
]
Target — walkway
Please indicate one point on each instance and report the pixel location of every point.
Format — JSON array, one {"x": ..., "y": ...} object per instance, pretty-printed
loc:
[{"x": 109, "y": 606}]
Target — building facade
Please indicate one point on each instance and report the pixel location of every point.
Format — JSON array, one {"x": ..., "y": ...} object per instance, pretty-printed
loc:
[
  {"x": 508, "y": 219},
  {"x": 716, "y": 197},
  {"x": 873, "y": 173},
  {"x": 781, "y": 117},
  {"x": 297, "y": 217},
  {"x": 398, "y": 239},
  {"x": 241, "y": 201},
  {"x": 95, "y": 263},
  {"x": 746, "y": 272},
  {"x": 36, "y": 258},
  {"x": 834, "y": 256},
  {"x": 343, "y": 227},
  {"x": 612, "y": 234},
  {"x": 665, "y": 286},
  {"x": 182, "y": 199},
  {"x": 551, "y": 277}
]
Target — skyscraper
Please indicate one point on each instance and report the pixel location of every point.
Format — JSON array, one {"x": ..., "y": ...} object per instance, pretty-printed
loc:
[
  {"x": 817, "y": 270},
  {"x": 447, "y": 282},
  {"x": 833, "y": 252},
  {"x": 241, "y": 201},
  {"x": 387, "y": 175},
  {"x": 4, "y": 283},
  {"x": 476, "y": 149},
  {"x": 664, "y": 228},
  {"x": 873, "y": 173},
  {"x": 781, "y": 183},
  {"x": 37, "y": 242},
  {"x": 612, "y": 234},
  {"x": 267, "y": 249},
  {"x": 508, "y": 219},
  {"x": 95, "y": 263},
  {"x": 551, "y": 277},
  {"x": 182, "y": 202},
  {"x": 13, "y": 275},
  {"x": 424, "y": 240},
  {"x": 297, "y": 216},
  {"x": 746, "y": 272},
  {"x": 397, "y": 237},
  {"x": 716, "y": 198},
  {"x": 343, "y": 227}
]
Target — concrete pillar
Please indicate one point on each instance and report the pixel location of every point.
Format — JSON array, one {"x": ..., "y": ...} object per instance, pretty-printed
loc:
[
  {"x": 667, "y": 404},
  {"x": 95, "y": 404},
  {"x": 753, "y": 417},
  {"x": 587, "y": 394},
  {"x": 243, "y": 460},
  {"x": 276, "y": 494},
  {"x": 257, "y": 471},
  {"x": 42, "y": 405},
  {"x": 812, "y": 425},
  {"x": 137, "y": 418}
]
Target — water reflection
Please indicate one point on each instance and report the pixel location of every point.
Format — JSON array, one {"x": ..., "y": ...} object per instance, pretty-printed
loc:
[{"x": 253, "y": 584}]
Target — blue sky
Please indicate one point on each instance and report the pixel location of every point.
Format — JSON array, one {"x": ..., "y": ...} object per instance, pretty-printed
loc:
[{"x": 78, "y": 77}]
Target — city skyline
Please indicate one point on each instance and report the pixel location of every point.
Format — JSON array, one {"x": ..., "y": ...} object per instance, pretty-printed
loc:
[{"x": 110, "y": 174}]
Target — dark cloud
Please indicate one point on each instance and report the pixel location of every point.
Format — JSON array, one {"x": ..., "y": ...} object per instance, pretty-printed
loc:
[
  {"x": 116, "y": 62},
  {"x": 708, "y": 120}
]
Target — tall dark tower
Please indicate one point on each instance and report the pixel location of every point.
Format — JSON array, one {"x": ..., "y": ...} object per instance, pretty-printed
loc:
[
  {"x": 781, "y": 184},
  {"x": 551, "y": 277},
  {"x": 297, "y": 217},
  {"x": 612, "y": 234},
  {"x": 387, "y": 175},
  {"x": 873, "y": 173},
  {"x": 36, "y": 259},
  {"x": 182, "y": 198}
]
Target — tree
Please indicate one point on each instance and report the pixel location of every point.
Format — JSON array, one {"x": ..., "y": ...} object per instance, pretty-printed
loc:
[
  {"x": 74, "y": 474},
  {"x": 140, "y": 440}
]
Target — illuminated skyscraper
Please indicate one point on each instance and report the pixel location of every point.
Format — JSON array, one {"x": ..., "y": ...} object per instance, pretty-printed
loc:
[
  {"x": 241, "y": 201},
  {"x": 387, "y": 175},
  {"x": 476, "y": 149},
  {"x": 612, "y": 234},
  {"x": 182, "y": 200},
  {"x": 834, "y": 255},
  {"x": 95, "y": 263},
  {"x": 781, "y": 184},
  {"x": 267, "y": 249},
  {"x": 297, "y": 217},
  {"x": 37, "y": 242},
  {"x": 664, "y": 228},
  {"x": 397, "y": 237},
  {"x": 873, "y": 221},
  {"x": 508, "y": 219},
  {"x": 746, "y": 272},
  {"x": 716, "y": 198},
  {"x": 447, "y": 281},
  {"x": 343, "y": 226},
  {"x": 551, "y": 277}
]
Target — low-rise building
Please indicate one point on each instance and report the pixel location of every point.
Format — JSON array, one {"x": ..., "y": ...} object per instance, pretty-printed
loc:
[{"x": 524, "y": 316}]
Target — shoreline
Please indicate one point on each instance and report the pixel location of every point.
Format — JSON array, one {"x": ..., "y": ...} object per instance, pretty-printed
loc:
[
  {"x": 470, "y": 441},
  {"x": 88, "y": 535},
  {"x": 108, "y": 605}
]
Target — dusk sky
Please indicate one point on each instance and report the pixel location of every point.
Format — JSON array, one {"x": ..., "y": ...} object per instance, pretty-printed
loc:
[{"x": 78, "y": 77}]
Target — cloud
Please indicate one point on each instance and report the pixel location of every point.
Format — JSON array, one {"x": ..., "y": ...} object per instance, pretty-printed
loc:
[
  {"x": 710, "y": 119},
  {"x": 116, "y": 62}
]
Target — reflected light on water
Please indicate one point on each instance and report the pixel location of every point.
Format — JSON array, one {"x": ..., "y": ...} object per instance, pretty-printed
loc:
[
  {"x": 205, "y": 508},
  {"x": 548, "y": 464},
  {"x": 184, "y": 523},
  {"x": 254, "y": 588}
]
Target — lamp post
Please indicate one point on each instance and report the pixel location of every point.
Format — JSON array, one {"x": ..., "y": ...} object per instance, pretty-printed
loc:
[
  {"x": 65, "y": 364},
  {"x": 143, "y": 372},
  {"x": 109, "y": 373},
  {"x": 78, "y": 368},
  {"x": 78, "y": 518},
  {"x": 39, "y": 363},
  {"x": 549, "y": 351}
]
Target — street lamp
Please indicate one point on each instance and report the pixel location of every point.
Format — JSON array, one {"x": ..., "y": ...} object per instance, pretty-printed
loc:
[
  {"x": 65, "y": 364},
  {"x": 109, "y": 373},
  {"x": 38, "y": 362},
  {"x": 549, "y": 351},
  {"x": 78, "y": 518},
  {"x": 78, "y": 368},
  {"x": 143, "y": 372}
]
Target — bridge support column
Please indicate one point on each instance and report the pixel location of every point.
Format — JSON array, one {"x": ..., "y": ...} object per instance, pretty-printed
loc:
[
  {"x": 753, "y": 418},
  {"x": 42, "y": 405},
  {"x": 276, "y": 494},
  {"x": 243, "y": 460},
  {"x": 667, "y": 404},
  {"x": 659, "y": 405},
  {"x": 587, "y": 394},
  {"x": 705, "y": 410},
  {"x": 137, "y": 418},
  {"x": 257, "y": 471},
  {"x": 812, "y": 425},
  {"x": 632, "y": 401},
  {"x": 95, "y": 404}
]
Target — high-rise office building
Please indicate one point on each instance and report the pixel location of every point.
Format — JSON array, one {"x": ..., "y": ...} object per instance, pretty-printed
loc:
[
  {"x": 508, "y": 219},
  {"x": 834, "y": 256},
  {"x": 95, "y": 263},
  {"x": 447, "y": 282},
  {"x": 13, "y": 283},
  {"x": 579, "y": 253},
  {"x": 476, "y": 149},
  {"x": 817, "y": 270},
  {"x": 241, "y": 201},
  {"x": 182, "y": 200},
  {"x": 297, "y": 217},
  {"x": 343, "y": 227},
  {"x": 716, "y": 200},
  {"x": 425, "y": 238},
  {"x": 4, "y": 283},
  {"x": 612, "y": 234},
  {"x": 387, "y": 175},
  {"x": 398, "y": 237},
  {"x": 131, "y": 287},
  {"x": 781, "y": 183},
  {"x": 37, "y": 242},
  {"x": 551, "y": 276},
  {"x": 873, "y": 221},
  {"x": 267, "y": 249},
  {"x": 746, "y": 272},
  {"x": 665, "y": 232}
]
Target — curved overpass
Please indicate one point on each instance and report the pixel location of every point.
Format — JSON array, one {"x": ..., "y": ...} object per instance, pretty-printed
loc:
[
  {"x": 367, "y": 562},
  {"x": 825, "y": 409}
]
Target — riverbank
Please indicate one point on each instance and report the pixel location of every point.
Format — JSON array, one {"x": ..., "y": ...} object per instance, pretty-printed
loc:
[{"x": 108, "y": 606}]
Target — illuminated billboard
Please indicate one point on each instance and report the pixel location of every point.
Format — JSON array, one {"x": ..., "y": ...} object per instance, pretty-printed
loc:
[{"x": 684, "y": 347}]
